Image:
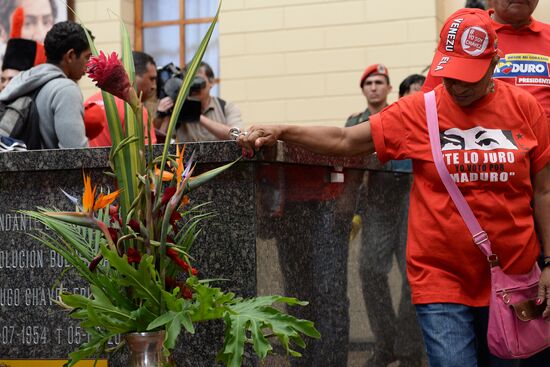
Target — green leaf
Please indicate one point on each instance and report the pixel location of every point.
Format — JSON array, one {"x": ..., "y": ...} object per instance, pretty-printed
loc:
[
  {"x": 233, "y": 348},
  {"x": 123, "y": 143},
  {"x": 75, "y": 300},
  {"x": 144, "y": 316},
  {"x": 172, "y": 332},
  {"x": 201, "y": 179},
  {"x": 185, "y": 320},
  {"x": 110, "y": 318},
  {"x": 213, "y": 302},
  {"x": 258, "y": 317},
  {"x": 115, "y": 291},
  {"x": 162, "y": 320},
  {"x": 261, "y": 345},
  {"x": 173, "y": 301},
  {"x": 141, "y": 280},
  {"x": 99, "y": 296}
]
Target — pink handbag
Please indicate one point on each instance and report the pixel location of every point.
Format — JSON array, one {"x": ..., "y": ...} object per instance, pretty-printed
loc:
[{"x": 516, "y": 327}]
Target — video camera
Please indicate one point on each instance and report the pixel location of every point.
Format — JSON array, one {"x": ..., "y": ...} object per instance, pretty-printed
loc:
[{"x": 169, "y": 82}]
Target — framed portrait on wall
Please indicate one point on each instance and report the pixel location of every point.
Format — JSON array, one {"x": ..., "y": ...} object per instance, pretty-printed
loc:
[{"x": 40, "y": 16}]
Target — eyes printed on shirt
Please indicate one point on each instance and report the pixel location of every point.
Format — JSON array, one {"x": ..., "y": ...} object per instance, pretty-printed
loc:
[{"x": 478, "y": 138}]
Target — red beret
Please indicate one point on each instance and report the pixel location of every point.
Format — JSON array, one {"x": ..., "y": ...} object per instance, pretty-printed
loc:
[{"x": 377, "y": 69}]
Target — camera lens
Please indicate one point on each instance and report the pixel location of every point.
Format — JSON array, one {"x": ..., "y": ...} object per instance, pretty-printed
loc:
[
  {"x": 198, "y": 84},
  {"x": 172, "y": 87}
]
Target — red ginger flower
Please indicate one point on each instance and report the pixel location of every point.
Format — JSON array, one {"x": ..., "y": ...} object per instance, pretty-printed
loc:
[
  {"x": 174, "y": 218},
  {"x": 167, "y": 195},
  {"x": 186, "y": 292},
  {"x": 95, "y": 261},
  {"x": 133, "y": 256},
  {"x": 114, "y": 217},
  {"x": 134, "y": 224},
  {"x": 110, "y": 76},
  {"x": 175, "y": 257},
  {"x": 114, "y": 234}
]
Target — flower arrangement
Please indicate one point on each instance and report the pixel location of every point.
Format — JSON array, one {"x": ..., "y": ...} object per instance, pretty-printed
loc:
[{"x": 132, "y": 245}]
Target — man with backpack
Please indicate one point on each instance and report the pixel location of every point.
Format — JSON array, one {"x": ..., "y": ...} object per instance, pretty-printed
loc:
[{"x": 53, "y": 115}]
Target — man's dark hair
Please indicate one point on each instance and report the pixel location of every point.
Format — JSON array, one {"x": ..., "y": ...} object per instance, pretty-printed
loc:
[
  {"x": 207, "y": 70},
  {"x": 480, "y": 4},
  {"x": 61, "y": 38},
  {"x": 405, "y": 85},
  {"x": 6, "y": 10},
  {"x": 141, "y": 59}
]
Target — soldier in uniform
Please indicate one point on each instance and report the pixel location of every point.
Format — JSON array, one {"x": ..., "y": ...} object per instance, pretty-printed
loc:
[{"x": 382, "y": 205}]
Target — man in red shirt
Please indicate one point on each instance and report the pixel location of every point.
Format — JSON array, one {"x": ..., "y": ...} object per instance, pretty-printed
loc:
[
  {"x": 525, "y": 43},
  {"x": 95, "y": 119}
]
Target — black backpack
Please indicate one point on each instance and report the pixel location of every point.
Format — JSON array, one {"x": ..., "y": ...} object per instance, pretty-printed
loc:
[{"x": 19, "y": 120}]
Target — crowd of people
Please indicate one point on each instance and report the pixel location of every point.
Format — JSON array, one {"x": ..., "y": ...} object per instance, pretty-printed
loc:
[
  {"x": 491, "y": 97},
  {"x": 45, "y": 61}
]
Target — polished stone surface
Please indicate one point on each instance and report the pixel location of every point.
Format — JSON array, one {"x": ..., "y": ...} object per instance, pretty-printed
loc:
[{"x": 282, "y": 226}]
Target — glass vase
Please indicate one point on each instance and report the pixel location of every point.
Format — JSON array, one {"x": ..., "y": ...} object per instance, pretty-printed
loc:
[{"x": 146, "y": 349}]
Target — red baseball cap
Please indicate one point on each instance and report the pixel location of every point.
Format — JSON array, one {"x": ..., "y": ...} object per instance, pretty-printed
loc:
[
  {"x": 467, "y": 44},
  {"x": 377, "y": 69}
]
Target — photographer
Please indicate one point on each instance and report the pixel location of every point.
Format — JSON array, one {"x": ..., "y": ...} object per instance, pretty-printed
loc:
[{"x": 203, "y": 117}]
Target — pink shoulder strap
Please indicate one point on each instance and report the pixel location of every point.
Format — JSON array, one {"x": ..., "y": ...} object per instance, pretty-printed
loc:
[{"x": 478, "y": 234}]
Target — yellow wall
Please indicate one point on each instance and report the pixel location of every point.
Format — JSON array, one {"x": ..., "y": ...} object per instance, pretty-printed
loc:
[{"x": 299, "y": 61}]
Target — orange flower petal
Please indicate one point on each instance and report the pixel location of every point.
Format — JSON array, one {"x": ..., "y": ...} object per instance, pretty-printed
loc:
[
  {"x": 88, "y": 196},
  {"x": 104, "y": 200},
  {"x": 166, "y": 176},
  {"x": 179, "y": 170}
]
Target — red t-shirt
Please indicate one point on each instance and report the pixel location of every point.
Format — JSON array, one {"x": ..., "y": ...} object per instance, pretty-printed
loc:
[
  {"x": 525, "y": 62},
  {"x": 94, "y": 117},
  {"x": 491, "y": 149}
]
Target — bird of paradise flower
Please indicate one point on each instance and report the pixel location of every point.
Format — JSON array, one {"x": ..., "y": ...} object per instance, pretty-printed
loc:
[{"x": 135, "y": 255}]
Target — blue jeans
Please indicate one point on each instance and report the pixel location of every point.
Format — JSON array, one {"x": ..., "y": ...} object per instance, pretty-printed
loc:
[{"x": 456, "y": 336}]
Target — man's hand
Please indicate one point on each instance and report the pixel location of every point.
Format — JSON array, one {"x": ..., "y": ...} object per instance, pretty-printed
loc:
[
  {"x": 165, "y": 105},
  {"x": 256, "y": 137}
]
